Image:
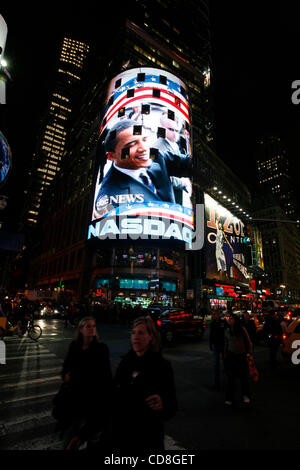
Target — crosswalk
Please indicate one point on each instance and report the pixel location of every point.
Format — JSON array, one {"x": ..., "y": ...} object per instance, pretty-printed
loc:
[
  {"x": 28, "y": 382},
  {"x": 29, "y": 379}
]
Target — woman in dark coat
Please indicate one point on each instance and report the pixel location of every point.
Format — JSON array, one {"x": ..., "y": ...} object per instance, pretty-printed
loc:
[
  {"x": 87, "y": 370},
  {"x": 144, "y": 393}
]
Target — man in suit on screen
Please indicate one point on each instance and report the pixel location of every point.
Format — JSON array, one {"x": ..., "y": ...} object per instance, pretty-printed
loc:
[{"x": 137, "y": 168}]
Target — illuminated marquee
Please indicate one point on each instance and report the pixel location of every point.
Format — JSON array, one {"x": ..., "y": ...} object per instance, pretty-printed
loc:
[
  {"x": 143, "y": 185},
  {"x": 225, "y": 243}
]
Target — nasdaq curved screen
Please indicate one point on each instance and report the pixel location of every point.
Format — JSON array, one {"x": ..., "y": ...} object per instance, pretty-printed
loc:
[{"x": 143, "y": 187}]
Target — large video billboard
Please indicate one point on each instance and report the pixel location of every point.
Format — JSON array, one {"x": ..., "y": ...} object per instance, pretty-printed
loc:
[
  {"x": 143, "y": 187},
  {"x": 225, "y": 246}
]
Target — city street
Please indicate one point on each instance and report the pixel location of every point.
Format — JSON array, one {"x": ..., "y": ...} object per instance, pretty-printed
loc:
[{"x": 31, "y": 377}]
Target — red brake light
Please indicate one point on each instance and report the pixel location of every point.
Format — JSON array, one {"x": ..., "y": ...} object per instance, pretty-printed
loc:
[
  {"x": 158, "y": 322},
  {"x": 284, "y": 336}
]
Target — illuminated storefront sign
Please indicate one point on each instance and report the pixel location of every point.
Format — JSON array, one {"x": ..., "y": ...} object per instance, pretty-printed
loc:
[
  {"x": 143, "y": 187},
  {"x": 223, "y": 290},
  {"x": 226, "y": 250}
]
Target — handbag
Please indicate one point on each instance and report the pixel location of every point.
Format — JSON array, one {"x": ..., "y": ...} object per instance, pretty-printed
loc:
[{"x": 252, "y": 368}]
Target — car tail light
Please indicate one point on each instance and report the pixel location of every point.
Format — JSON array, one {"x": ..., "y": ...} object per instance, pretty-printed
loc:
[
  {"x": 158, "y": 322},
  {"x": 284, "y": 336}
]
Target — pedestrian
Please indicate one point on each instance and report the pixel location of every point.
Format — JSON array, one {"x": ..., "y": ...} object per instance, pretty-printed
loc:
[
  {"x": 68, "y": 316},
  {"x": 249, "y": 325},
  {"x": 144, "y": 393},
  {"x": 272, "y": 331},
  {"x": 86, "y": 370},
  {"x": 216, "y": 345},
  {"x": 237, "y": 346}
]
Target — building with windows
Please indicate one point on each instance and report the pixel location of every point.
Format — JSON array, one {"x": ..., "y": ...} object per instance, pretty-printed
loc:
[
  {"x": 281, "y": 250},
  {"x": 139, "y": 271},
  {"x": 54, "y": 126},
  {"x": 274, "y": 173},
  {"x": 276, "y": 212}
]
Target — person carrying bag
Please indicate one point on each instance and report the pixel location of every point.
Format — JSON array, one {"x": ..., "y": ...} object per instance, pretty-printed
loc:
[{"x": 237, "y": 346}]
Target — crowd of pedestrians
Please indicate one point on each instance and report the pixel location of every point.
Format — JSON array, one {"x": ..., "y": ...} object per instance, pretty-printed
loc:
[{"x": 127, "y": 412}]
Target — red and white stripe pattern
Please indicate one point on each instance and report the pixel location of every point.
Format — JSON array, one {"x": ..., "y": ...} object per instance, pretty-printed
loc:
[{"x": 170, "y": 97}]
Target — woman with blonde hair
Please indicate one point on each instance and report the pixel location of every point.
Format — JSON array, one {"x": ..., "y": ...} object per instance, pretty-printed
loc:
[
  {"x": 86, "y": 370},
  {"x": 144, "y": 393}
]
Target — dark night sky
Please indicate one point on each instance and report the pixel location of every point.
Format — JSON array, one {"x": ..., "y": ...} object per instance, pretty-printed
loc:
[
  {"x": 256, "y": 52},
  {"x": 256, "y": 59}
]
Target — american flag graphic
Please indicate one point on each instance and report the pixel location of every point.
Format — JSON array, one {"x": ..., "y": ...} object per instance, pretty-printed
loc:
[{"x": 150, "y": 89}]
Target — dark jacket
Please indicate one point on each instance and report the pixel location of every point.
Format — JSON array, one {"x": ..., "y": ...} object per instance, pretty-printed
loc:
[
  {"x": 165, "y": 165},
  {"x": 217, "y": 335},
  {"x": 136, "y": 427},
  {"x": 237, "y": 342},
  {"x": 91, "y": 385}
]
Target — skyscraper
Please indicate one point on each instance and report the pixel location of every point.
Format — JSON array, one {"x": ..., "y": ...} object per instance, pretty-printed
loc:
[
  {"x": 276, "y": 213},
  {"x": 274, "y": 173},
  {"x": 149, "y": 36},
  {"x": 52, "y": 136}
]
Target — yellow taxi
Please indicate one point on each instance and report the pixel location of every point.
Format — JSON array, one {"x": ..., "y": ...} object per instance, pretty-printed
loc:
[{"x": 292, "y": 334}]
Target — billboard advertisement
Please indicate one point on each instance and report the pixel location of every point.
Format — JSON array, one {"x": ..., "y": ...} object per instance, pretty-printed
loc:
[
  {"x": 258, "y": 248},
  {"x": 5, "y": 159},
  {"x": 225, "y": 246},
  {"x": 143, "y": 187}
]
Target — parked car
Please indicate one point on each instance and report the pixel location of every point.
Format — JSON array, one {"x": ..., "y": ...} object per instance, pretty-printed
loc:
[
  {"x": 292, "y": 334},
  {"x": 175, "y": 322}
]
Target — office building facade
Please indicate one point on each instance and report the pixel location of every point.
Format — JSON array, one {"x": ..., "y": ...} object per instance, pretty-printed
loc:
[
  {"x": 54, "y": 126},
  {"x": 275, "y": 174},
  {"x": 137, "y": 272}
]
